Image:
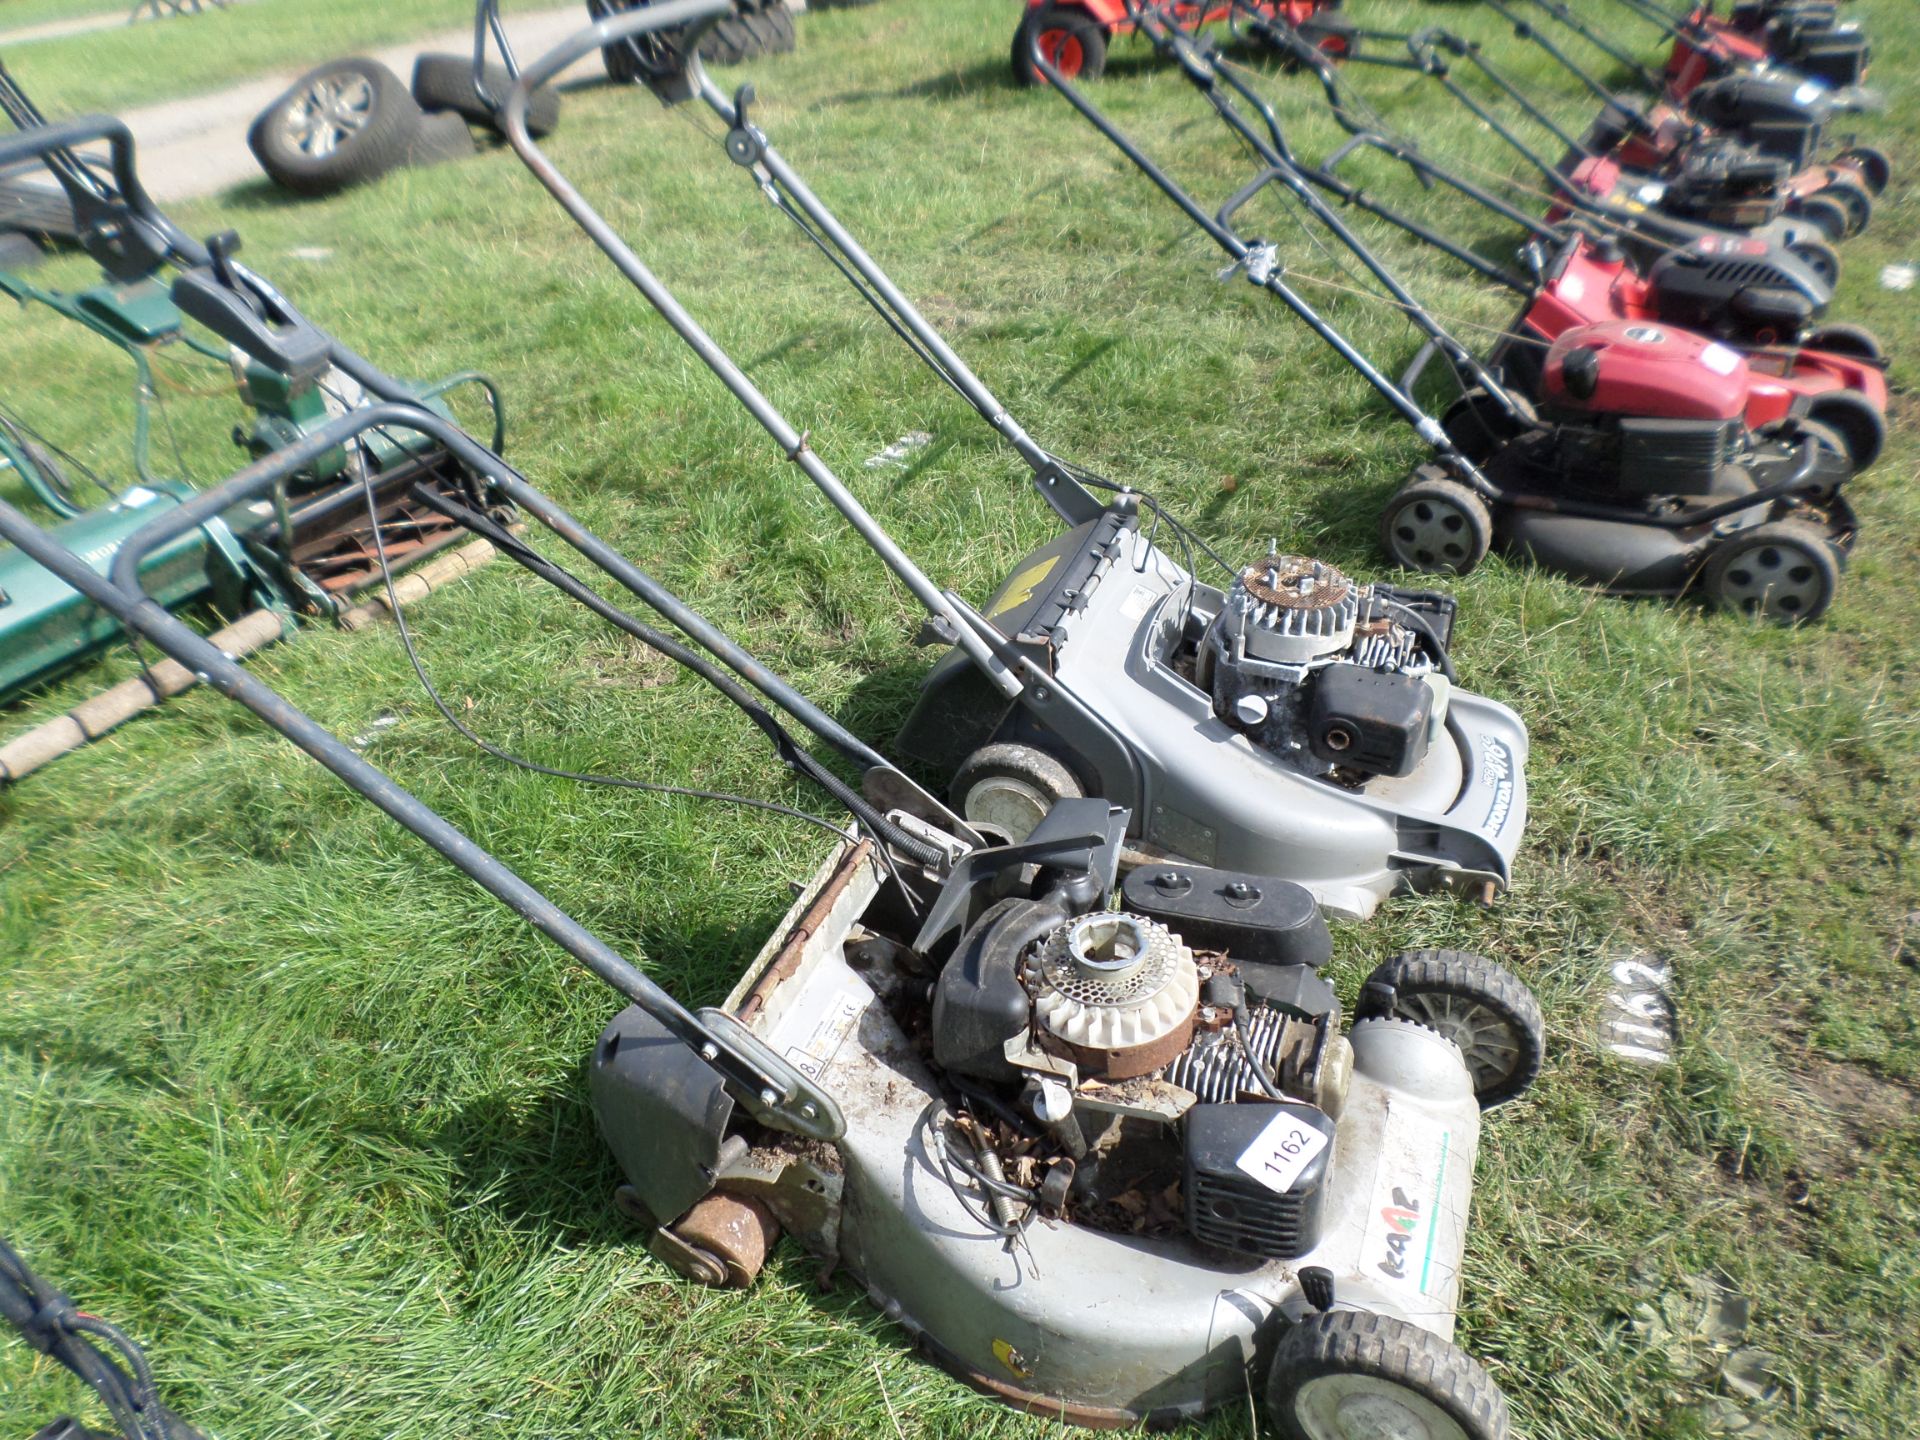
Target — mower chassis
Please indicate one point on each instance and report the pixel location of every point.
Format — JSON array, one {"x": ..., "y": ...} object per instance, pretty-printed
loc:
[{"x": 1090, "y": 1327}]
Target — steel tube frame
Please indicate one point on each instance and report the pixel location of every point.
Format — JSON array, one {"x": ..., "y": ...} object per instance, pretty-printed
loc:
[
  {"x": 757, "y": 1078},
  {"x": 792, "y": 442}
]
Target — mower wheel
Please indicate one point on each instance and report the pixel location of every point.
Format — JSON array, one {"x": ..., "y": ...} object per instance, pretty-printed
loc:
[
  {"x": 1857, "y": 421},
  {"x": 1478, "y": 426},
  {"x": 1854, "y": 197},
  {"x": 762, "y": 27},
  {"x": 1786, "y": 571},
  {"x": 445, "y": 82},
  {"x": 1070, "y": 39},
  {"x": 1856, "y": 342},
  {"x": 19, "y": 252},
  {"x": 1873, "y": 165},
  {"x": 1819, "y": 257},
  {"x": 1354, "y": 1375},
  {"x": 1008, "y": 788},
  {"x": 1435, "y": 523},
  {"x": 1484, "y": 1010},
  {"x": 340, "y": 124},
  {"x": 1826, "y": 213}
]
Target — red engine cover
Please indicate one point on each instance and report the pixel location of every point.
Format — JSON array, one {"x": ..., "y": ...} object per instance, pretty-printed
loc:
[{"x": 1652, "y": 371}]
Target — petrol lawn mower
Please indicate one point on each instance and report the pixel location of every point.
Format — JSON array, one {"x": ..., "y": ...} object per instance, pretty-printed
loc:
[
  {"x": 1074, "y": 34},
  {"x": 306, "y": 550},
  {"x": 1755, "y": 135},
  {"x": 1733, "y": 291},
  {"x": 1296, "y": 723},
  {"x": 1805, "y": 35},
  {"x": 1593, "y": 193},
  {"x": 1636, "y": 471},
  {"x": 1005, "y": 1106}
]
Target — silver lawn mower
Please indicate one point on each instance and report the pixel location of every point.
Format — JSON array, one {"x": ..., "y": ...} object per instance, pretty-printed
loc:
[{"x": 1296, "y": 722}]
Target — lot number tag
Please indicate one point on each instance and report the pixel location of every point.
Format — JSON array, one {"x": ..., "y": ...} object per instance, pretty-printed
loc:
[{"x": 1281, "y": 1151}]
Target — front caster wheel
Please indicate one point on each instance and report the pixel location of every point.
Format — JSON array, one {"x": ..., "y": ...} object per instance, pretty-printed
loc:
[
  {"x": 1350, "y": 1375},
  {"x": 1436, "y": 524},
  {"x": 1786, "y": 571},
  {"x": 1484, "y": 1010}
]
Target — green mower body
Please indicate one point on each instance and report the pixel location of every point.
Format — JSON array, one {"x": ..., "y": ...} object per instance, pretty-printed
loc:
[{"x": 47, "y": 628}]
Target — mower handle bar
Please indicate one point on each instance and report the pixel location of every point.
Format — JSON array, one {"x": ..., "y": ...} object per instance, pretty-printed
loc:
[
  {"x": 1261, "y": 267},
  {"x": 764, "y": 1082},
  {"x": 793, "y": 443}
]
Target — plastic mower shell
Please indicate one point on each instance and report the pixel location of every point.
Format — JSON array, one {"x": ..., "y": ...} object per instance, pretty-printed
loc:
[
  {"x": 1074, "y": 1322},
  {"x": 1108, "y": 617}
]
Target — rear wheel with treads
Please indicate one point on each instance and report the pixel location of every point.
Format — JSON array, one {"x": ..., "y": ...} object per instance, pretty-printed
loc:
[
  {"x": 1819, "y": 257},
  {"x": 1854, "y": 341},
  {"x": 1436, "y": 523},
  {"x": 1857, "y": 421},
  {"x": 1352, "y": 1375},
  {"x": 1786, "y": 571},
  {"x": 1874, "y": 167},
  {"x": 1069, "y": 39},
  {"x": 1483, "y": 1009}
]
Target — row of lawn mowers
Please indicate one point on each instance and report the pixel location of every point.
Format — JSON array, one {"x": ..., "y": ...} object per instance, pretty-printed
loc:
[
  {"x": 1048, "y": 1032},
  {"x": 1672, "y": 408}
]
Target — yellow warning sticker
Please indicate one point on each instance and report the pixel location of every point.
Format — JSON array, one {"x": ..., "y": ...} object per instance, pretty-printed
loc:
[
  {"x": 1011, "y": 1358},
  {"x": 1021, "y": 587}
]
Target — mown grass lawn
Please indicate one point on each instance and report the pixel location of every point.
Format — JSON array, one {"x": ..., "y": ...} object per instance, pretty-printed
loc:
[{"x": 300, "y": 1108}]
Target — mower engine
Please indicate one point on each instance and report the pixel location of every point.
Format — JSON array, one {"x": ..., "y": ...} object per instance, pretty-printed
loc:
[
  {"x": 1325, "y": 673},
  {"x": 1777, "y": 114},
  {"x": 1807, "y": 35}
]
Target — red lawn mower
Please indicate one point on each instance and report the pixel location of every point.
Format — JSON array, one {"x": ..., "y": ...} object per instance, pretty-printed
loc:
[
  {"x": 1734, "y": 289},
  {"x": 1805, "y": 35},
  {"x": 1073, "y": 35},
  {"x": 1743, "y": 144},
  {"x": 1634, "y": 470}
]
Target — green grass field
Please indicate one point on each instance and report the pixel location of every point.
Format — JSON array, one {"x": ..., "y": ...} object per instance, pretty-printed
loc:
[{"x": 299, "y": 1107}]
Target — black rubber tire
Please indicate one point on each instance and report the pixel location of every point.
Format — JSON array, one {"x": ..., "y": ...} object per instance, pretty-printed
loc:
[
  {"x": 1737, "y": 575},
  {"x": 1820, "y": 257},
  {"x": 1436, "y": 524},
  {"x": 445, "y": 82},
  {"x": 37, "y": 210},
  {"x": 1403, "y": 1365},
  {"x": 1078, "y": 28},
  {"x": 1855, "y": 198},
  {"x": 1482, "y": 1008},
  {"x": 1825, "y": 213},
  {"x": 380, "y": 143},
  {"x": 1857, "y": 421},
  {"x": 1034, "y": 781},
  {"x": 763, "y": 27},
  {"x": 1854, "y": 341},
  {"x": 441, "y": 136},
  {"x": 19, "y": 252},
  {"x": 1874, "y": 166}
]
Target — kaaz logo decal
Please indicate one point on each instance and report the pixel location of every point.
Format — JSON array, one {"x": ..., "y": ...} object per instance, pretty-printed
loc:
[
  {"x": 1403, "y": 1219},
  {"x": 1498, "y": 762}
]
